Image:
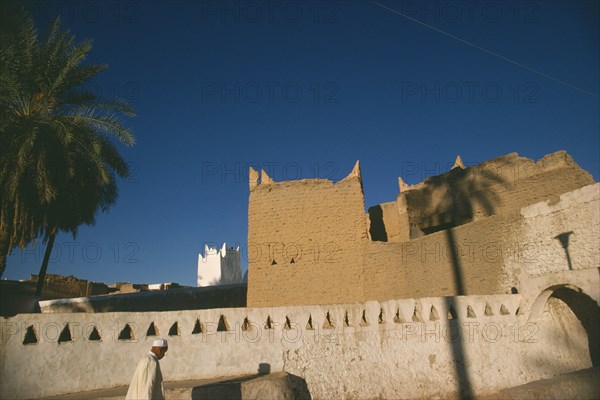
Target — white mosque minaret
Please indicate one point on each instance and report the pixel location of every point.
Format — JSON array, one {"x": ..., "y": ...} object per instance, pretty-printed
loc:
[{"x": 219, "y": 267}]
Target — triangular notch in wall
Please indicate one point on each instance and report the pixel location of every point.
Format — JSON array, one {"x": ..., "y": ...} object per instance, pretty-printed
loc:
[
  {"x": 198, "y": 327},
  {"x": 222, "y": 326},
  {"x": 94, "y": 335},
  {"x": 152, "y": 331},
  {"x": 30, "y": 336},
  {"x": 65, "y": 335},
  {"x": 126, "y": 333},
  {"x": 174, "y": 329}
]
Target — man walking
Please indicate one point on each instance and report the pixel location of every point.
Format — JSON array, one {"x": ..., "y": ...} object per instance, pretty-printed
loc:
[{"x": 147, "y": 382}]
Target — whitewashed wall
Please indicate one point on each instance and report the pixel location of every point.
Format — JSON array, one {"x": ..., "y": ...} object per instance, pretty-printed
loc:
[{"x": 399, "y": 349}]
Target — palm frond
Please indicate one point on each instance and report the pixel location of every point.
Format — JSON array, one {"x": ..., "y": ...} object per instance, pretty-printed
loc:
[
  {"x": 116, "y": 105},
  {"x": 58, "y": 160},
  {"x": 108, "y": 123}
]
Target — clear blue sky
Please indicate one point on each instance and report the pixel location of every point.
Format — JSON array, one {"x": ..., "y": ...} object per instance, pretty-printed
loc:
[{"x": 304, "y": 89}]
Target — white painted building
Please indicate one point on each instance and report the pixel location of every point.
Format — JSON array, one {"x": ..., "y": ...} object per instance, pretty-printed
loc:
[{"x": 219, "y": 267}]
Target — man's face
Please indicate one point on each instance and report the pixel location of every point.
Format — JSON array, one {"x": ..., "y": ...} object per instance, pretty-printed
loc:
[{"x": 160, "y": 351}]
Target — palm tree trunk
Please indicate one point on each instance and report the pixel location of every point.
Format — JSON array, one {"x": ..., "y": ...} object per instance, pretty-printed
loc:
[
  {"x": 44, "y": 267},
  {"x": 2, "y": 263},
  {"x": 3, "y": 252}
]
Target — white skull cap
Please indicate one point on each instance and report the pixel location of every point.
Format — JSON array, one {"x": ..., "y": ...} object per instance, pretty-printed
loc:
[{"x": 160, "y": 343}]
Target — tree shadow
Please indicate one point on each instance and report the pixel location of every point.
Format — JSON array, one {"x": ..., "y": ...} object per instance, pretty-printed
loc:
[
  {"x": 456, "y": 198},
  {"x": 185, "y": 298}
]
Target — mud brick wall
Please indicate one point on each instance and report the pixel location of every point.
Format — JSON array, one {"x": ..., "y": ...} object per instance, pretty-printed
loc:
[
  {"x": 310, "y": 241},
  {"x": 500, "y": 186},
  {"x": 426, "y": 266},
  {"x": 306, "y": 242}
]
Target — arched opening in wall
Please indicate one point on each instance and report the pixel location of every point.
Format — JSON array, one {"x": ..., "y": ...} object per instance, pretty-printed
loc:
[{"x": 574, "y": 318}]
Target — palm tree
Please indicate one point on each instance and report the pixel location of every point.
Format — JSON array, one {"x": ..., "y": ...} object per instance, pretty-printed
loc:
[{"x": 58, "y": 159}]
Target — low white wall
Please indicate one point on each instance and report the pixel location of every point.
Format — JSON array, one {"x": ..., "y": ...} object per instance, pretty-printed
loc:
[
  {"x": 475, "y": 354},
  {"x": 397, "y": 352},
  {"x": 49, "y": 367}
]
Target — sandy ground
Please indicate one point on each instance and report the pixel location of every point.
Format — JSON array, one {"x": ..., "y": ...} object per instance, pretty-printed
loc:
[
  {"x": 172, "y": 389},
  {"x": 583, "y": 384}
]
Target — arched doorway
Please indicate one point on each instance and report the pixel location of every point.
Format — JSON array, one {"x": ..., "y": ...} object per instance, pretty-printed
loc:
[{"x": 575, "y": 316}]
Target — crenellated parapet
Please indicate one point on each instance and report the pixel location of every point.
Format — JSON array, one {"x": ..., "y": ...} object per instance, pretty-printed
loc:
[
  {"x": 256, "y": 178},
  {"x": 41, "y": 352},
  {"x": 404, "y": 187},
  {"x": 56, "y": 329}
]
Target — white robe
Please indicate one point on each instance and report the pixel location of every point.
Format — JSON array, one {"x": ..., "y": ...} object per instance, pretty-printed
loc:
[{"x": 147, "y": 382}]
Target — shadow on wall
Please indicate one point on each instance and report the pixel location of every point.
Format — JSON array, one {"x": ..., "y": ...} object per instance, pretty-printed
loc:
[
  {"x": 563, "y": 238},
  {"x": 458, "y": 196},
  {"x": 261, "y": 385},
  {"x": 264, "y": 369},
  {"x": 188, "y": 298},
  {"x": 588, "y": 313},
  {"x": 463, "y": 196},
  {"x": 377, "y": 228}
]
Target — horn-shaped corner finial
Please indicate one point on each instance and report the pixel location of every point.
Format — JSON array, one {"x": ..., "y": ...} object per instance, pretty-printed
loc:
[
  {"x": 252, "y": 178},
  {"x": 264, "y": 178},
  {"x": 403, "y": 185},
  {"x": 355, "y": 173},
  {"x": 458, "y": 163}
]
